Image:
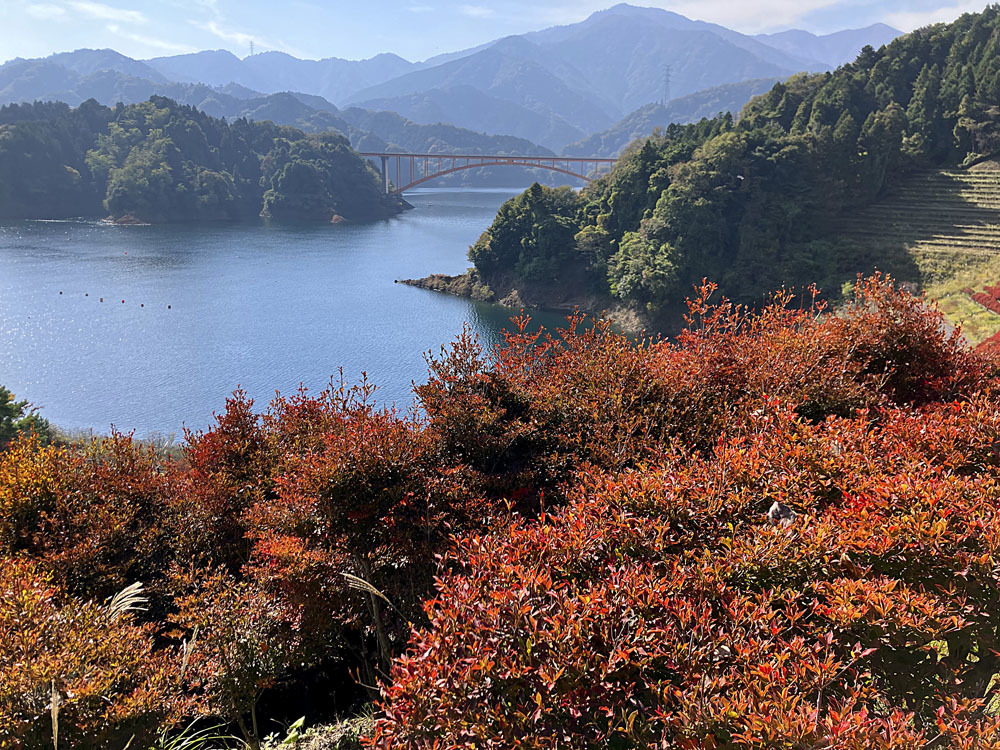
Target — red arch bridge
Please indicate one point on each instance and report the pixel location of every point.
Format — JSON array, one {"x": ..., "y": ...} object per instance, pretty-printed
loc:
[{"x": 410, "y": 170}]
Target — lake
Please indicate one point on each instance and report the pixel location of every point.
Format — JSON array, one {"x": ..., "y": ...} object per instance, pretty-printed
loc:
[{"x": 190, "y": 312}]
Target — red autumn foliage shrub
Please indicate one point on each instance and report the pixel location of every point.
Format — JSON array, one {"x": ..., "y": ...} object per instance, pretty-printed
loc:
[
  {"x": 988, "y": 298},
  {"x": 237, "y": 643},
  {"x": 228, "y": 468},
  {"x": 892, "y": 335},
  {"x": 483, "y": 418},
  {"x": 89, "y": 515},
  {"x": 661, "y": 608},
  {"x": 590, "y": 394},
  {"x": 359, "y": 512}
]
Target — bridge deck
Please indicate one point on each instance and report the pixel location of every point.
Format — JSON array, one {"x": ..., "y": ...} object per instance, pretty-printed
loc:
[
  {"x": 423, "y": 167},
  {"x": 544, "y": 157}
]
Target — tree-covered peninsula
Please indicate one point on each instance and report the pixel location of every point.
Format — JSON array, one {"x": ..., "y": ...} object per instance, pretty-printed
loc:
[
  {"x": 158, "y": 161},
  {"x": 758, "y": 202}
]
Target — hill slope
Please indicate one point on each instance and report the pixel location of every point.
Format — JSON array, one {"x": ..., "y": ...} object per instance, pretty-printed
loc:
[
  {"x": 687, "y": 109},
  {"x": 623, "y": 51},
  {"x": 943, "y": 228}
]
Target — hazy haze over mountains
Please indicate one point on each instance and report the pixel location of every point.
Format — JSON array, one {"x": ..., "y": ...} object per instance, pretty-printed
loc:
[
  {"x": 553, "y": 87},
  {"x": 686, "y": 109},
  {"x": 832, "y": 49},
  {"x": 270, "y": 72}
]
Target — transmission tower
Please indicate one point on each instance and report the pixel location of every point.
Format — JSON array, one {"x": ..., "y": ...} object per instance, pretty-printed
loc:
[
  {"x": 667, "y": 77},
  {"x": 251, "y": 48}
]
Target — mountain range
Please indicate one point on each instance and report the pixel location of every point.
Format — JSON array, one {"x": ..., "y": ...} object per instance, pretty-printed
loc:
[
  {"x": 591, "y": 74},
  {"x": 552, "y": 87}
]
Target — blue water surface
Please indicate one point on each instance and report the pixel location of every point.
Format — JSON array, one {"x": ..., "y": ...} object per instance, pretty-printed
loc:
[{"x": 190, "y": 312}]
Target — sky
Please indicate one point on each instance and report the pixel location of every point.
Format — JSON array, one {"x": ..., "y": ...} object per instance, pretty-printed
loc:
[{"x": 414, "y": 29}]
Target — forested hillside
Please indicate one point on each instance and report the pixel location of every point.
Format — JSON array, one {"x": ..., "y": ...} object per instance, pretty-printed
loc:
[
  {"x": 159, "y": 162},
  {"x": 757, "y": 203}
]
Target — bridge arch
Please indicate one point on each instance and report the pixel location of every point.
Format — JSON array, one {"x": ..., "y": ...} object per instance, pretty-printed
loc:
[
  {"x": 421, "y": 168},
  {"x": 451, "y": 170}
]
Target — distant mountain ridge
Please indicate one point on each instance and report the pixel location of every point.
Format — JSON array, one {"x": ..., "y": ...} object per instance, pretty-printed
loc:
[
  {"x": 270, "y": 72},
  {"x": 832, "y": 49},
  {"x": 553, "y": 87}
]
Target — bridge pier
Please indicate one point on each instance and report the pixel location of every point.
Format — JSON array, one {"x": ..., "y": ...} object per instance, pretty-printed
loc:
[{"x": 385, "y": 174}]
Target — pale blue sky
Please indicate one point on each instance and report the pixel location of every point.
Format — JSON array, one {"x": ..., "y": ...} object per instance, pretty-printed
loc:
[{"x": 415, "y": 29}]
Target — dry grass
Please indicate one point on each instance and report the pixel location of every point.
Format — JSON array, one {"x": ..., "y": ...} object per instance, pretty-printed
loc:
[
  {"x": 129, "y": 599},
  {"x": 976, "y": 321}
]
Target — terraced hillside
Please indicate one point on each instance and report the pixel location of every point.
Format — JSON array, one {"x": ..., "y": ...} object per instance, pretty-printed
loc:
[{"x": 940, "y": 229}]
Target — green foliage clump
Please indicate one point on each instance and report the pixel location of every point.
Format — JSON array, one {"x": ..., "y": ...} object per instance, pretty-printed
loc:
[
  {"x": 43, "y": 168},
  {"x": 20, "y": 418},
  {"x": 534, "y": 234},
  {"x": 316, "y": 176}
]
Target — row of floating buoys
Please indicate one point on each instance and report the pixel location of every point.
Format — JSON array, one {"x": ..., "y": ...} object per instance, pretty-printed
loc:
[
  {"x": 87, "y": 294},
  {"x": 141, "y": 304}
]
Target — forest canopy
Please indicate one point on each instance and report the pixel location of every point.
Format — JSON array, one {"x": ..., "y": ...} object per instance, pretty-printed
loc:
[{"x": 158, "y": 161}]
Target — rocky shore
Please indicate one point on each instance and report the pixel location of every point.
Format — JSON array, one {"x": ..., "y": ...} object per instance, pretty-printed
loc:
[
  {"x": 128, "y": 220},
  {"x": 518, "y": 295}
]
